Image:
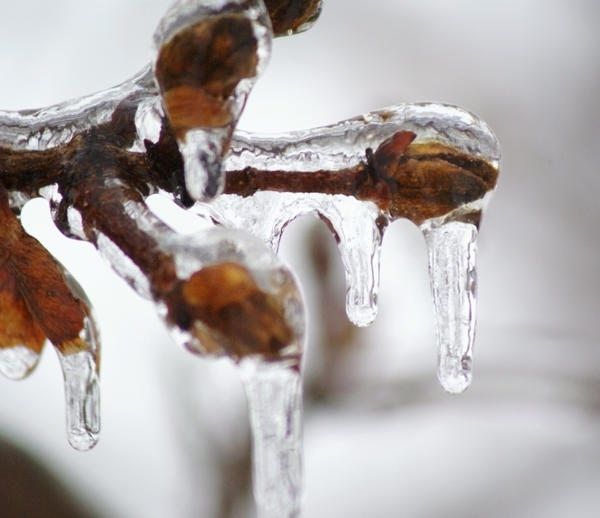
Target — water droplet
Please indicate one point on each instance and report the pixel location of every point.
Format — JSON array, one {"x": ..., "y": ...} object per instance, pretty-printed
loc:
[{"x": 452, "y": 266}]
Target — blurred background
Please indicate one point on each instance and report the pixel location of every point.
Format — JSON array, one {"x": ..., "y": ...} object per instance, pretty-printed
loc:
[{"x": 381, "y": 437}]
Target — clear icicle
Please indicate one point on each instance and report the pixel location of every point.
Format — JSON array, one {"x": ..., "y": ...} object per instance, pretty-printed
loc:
[
  {"x": 274, "y": 393},
  {"x": 452, "y": 267},
  {"x": 273, "y": 387},
  {"x": 359, "y": 238},
  {"x": 202, "y": 156},
  {"x": 17, "y": 362},
  {"x": 355, "y": 223},
  {"x": 332, "y": 148},
  {"x": 82, "y": 392}
]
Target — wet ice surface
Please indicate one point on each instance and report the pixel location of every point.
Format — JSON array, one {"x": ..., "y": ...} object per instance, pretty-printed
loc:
[
  {"x": 273, "y": 388},
  {"x": 274, "y": 391},
  {"x": 356, "y": 224},
  {"x": 343, "y": 144},
  {"x": 274, "y": 394},
  {"x": 219, "y": 245}
]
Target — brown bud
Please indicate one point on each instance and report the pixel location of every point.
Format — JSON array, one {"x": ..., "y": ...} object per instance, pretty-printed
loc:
[
  {"x": 200, "y": 66},
  {"x": 429, "y": 179},
  {"x": 292, "y": 16},
  {"x": 224, "y": 308}
]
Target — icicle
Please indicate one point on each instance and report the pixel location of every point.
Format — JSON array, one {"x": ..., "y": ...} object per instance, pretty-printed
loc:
[
  {"x": 82, "y": 391},
  {"x": 261, "y": 299},
  {"x": 359, "y": 236},
  {"x": 264, "y": 215},
  {"x": 274, "y": 393},
  {"x": 452, "y": 266},
  {"x": 323, "y": 152},
  {"x": 201, "y": 152},
  {"x": 17, "y": 362},
  {"x": 356, "y": 225}
]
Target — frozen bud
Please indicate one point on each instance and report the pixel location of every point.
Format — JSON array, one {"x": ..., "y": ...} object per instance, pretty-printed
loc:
[
  {"x": 234, "y": 297},
  {"x": 292, "y": 16},
  {"x": 207, "y": 59}
]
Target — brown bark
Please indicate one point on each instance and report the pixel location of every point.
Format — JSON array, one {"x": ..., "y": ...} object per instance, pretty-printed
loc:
[{"x": 409, "y": 180}]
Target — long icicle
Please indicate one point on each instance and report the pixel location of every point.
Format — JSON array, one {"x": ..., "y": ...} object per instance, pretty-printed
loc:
[
  {"x": 82, "y": 390},
  {"x": 452, "y": 251},
  {"x": 274, "y": 393}
]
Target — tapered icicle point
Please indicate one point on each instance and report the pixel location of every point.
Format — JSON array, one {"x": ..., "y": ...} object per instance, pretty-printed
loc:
[
  {"x": 202, "y": 156},
  {"x": 274, "y": 393},
  {"x": 452, "y": 267},
  {"x": 359, "y": 236},
  {"x": 82, "y": 392},
  {"x": 17, "y": 362}
]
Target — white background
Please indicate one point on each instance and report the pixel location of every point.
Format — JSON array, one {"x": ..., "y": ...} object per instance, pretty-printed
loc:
[{"x": 524, "y": 441}]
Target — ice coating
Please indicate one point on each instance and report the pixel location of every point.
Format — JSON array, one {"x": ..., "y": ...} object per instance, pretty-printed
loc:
[
  {"x": 218, "y": 254},
  {"x": 201, "y": 115},
  {"x": 452, "y": 250},
  {"x": 55, "y": 125},
  {"x": 82, "y": 391},
  {"x": 228, "y": 44},
  {"x": 274, "y": 394},
  {"x": 354, "y": 222},
  {"x": 201, "y": 152},
  {"x": 342, "y": 145},
  {"x": 17, "y": 362},
  {"x": 357, "y": 224},
  {"x": 272, "y": 379},
  {"x": 123, "y": 266}
]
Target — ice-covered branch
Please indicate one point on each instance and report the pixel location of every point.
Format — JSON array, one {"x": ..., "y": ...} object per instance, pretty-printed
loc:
[{"x": 172, "y": 129}]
